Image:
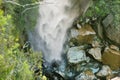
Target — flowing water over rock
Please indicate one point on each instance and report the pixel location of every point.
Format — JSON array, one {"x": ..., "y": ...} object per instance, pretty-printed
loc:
[
  {"x": 50, "y": 33},
  {"x": 56, "y": 17}
]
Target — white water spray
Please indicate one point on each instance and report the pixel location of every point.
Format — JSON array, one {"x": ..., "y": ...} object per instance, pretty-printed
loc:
[{"x": 56, "y": 17}]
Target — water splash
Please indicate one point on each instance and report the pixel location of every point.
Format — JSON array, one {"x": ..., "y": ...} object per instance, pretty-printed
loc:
[{"x": 55, "y": 18}]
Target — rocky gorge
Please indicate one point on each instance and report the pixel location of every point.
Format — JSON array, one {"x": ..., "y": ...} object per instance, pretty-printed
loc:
[
  {"x": 59, "y": 39},
  {"x": 92, "y": 52},
  {"x": 88, "y": 58}
]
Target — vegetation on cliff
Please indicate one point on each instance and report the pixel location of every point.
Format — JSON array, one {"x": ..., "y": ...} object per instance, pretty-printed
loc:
[{"x": 16, "y": 61}]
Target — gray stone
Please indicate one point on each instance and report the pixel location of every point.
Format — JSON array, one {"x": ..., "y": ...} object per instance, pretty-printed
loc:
[{"x": 76, "y": 55}]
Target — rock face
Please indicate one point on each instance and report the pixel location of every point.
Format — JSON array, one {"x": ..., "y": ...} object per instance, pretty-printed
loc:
[
  {"x": 96, "y": 53},
  {"x": 76, "y": 55},
  {"x": 112, "y": 32},
  {"x": 111, "y": 57},
  {"x": 83, "y": 35}
]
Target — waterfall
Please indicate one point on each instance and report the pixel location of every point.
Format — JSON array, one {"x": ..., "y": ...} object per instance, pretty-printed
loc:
[{"x": 55, "y": 18}]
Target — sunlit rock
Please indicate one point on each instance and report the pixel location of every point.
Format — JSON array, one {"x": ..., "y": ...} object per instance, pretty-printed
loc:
[
  {"x": 76, "y": 55},
  {"x": 105, "y": 71},
  {"x": 111, "y": 57},
  {"x": 83, "y": 35},
  {"x": 86, "y": 75},
  {"x": 96, "y": 53}
]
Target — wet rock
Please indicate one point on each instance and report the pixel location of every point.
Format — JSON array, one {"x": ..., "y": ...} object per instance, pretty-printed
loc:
[
  {"x": 86, "y": 75},
  {"x": 94, "y": 67},
  {"x": 94, "y": 70},
  {"x": 76, "y": 55},
  {"x": 105, "y": 71},
  {"x": 59, "y": 75},
  {"x": 96, "y": 53},
  {"x": 70, "y": 74},
  {"x": 83, "y": 35},
  {"x": 111, "y": 57}
]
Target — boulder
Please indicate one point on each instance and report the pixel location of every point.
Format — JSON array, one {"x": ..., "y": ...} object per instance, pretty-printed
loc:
[
  {"x": 86, "y": 75},
  {"x": 105, "y": 71},
  {"x": 83, "y": 35},
  {"x": 111, "y": 57},
  {"x": 112, "y": 32},
  {"x": 96, "y": 53},
  {"x": 76, "y": 55}
]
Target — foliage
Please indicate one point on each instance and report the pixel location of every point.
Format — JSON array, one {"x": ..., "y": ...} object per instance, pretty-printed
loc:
[
  {"x": 24, "y": 18},
  {"x": 15, "y": 64},
  {"x": 102, "y": 8}
]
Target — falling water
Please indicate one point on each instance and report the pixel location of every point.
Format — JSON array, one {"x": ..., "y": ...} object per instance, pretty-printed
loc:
[{"x": 55, "y": 18}]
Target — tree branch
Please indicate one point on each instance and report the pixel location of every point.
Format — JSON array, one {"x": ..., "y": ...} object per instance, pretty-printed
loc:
[
  {"x": 26, "y": 5},
  {"x": 15, "y": 3},
  {"x": 28, "y": 9}
]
